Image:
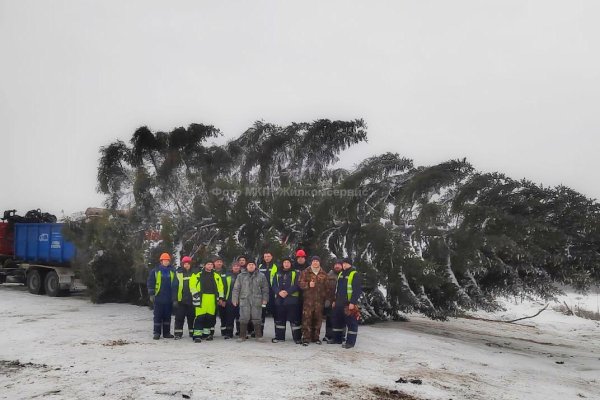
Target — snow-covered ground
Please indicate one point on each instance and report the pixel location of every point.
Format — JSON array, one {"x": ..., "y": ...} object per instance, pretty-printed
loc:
[{"x": 69, "y": 348}]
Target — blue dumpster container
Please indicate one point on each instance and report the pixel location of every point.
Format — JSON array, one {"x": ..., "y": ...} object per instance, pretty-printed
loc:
[{"x": 42, "y": 244}]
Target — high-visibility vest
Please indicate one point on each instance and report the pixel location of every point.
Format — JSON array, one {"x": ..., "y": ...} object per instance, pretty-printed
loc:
[
  {"x": 348, "y": 283},
  {"x": 181, "y": 278},
  {"x": 195, "y": 286},
  {"x": 158, "y": 278},
  {"x": 273, "y": 273},
  {"x": 228, "y": 280},
  {"x": 276, "y": 276}
]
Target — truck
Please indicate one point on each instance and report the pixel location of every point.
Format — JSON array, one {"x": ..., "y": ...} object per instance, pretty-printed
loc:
[{"x": 37, "y": 255}]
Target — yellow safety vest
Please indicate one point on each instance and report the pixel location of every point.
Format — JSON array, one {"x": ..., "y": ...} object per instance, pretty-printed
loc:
[
  {"x": 195, "y": 283},
  {"x": 297, "y": 293},
  {"x": 273, "y": 273},
  {"x": 158, "y": 278},
  {"x": 181, "y": 278},
  {"x": 348, "y": 284},
  {"x": 228, "y": 280}
]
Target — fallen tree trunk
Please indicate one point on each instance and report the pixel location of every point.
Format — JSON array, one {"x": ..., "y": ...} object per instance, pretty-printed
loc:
[{"x": 510, "y": 321}]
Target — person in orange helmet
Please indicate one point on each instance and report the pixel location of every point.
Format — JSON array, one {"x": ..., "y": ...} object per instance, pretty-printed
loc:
[{"x": 161, "y": 284}]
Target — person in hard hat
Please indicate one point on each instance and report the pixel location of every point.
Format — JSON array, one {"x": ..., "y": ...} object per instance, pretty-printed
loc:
[
  {"x": 207, "y": 293},
  {"x": 300, "y": 264},
  {"x": 182, "y": 298},
  {"x": 161, "y": 283}
]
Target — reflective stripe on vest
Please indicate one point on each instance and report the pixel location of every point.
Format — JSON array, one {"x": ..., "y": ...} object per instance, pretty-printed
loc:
[
  {"x": 158, "y": 278},
  {"x": 348, "y": 284}
]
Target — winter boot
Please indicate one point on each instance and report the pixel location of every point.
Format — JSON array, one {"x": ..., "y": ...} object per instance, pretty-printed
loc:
[
  {"x": 167, "y": 330},
  {"x": 243, "y": 332},
  {"x": 259, "y": 332},
  {"x": 156, "y": 336},
  {"x": 197, "y": 340}
]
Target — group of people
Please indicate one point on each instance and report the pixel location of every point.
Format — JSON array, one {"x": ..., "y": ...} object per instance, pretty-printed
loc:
[{"x": 293, "y": 292}]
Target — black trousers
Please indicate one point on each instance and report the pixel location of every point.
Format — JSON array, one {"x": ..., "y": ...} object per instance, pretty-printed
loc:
[
  {"x": 341, "y": 321},
  {"x": 285, "y": 313},
  {"x": 221, "y": 313},
  {"x": 231, "y": 316},
  {"x": 183, "y": 312},
  {"x": 328, "y": 322}
]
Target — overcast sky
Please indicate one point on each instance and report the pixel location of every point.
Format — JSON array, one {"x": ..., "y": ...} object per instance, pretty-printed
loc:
[{"x": 514, "y": 86}]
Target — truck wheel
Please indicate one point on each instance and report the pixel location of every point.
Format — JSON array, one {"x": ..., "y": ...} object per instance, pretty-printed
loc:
[
  {"x": 51, "y": 284},
  {"x": 34, "y": 282}
]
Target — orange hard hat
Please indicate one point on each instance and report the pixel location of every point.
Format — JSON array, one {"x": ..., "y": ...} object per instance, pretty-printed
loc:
[{"x": 165, "y": 256}]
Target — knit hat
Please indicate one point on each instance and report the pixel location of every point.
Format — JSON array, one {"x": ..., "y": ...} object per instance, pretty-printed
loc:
[
  {"x": 315, "y": 258},
  {"x": 347, "y": 260},
  {"x": 300, "y": 253}
]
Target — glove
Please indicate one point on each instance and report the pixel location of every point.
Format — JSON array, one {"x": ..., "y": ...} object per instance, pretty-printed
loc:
[
  {"x": 196, "y": 300},
  {"x": 151, "y": 298},
  {"x": 352, "y": 313}
]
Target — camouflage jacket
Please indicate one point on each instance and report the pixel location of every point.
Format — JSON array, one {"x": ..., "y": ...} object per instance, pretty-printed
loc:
[
  {"x": 332, "y": 277},
  {"x": 317, "y": 294}
]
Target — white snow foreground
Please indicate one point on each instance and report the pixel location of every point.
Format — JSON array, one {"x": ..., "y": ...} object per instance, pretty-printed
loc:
[{"x": 68, "y": 348}]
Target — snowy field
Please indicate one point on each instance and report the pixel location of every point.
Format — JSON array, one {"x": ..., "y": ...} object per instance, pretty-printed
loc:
[{"x": 68, "y": 348}]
